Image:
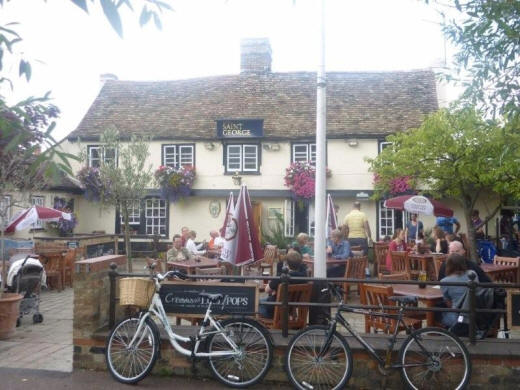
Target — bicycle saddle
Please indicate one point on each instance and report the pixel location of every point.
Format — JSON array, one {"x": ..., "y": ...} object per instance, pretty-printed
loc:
[
  {"x": 212, "y": 297},
  {"x": 405, "y": 300}
]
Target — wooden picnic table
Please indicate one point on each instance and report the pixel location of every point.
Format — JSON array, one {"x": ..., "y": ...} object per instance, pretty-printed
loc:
[
  {"x": 501, "y": 273},
  {"x": 190, "y": 265},
  {"x": 429, "y": 295}
]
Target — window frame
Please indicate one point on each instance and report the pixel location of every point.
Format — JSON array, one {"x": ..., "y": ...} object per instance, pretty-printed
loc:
[
  {"x": 288, "y": 218},
  {"x": 178, "y": 154},
  {"x": 102, "y": 157},
  {"x": 165, "y": 207},
  {"x": 382, "y": 145},
  {"x": 309, "y": 152},
  {"x": 242, "y": 157},
  {"x": 140, "y": 227},
  {"x": 131, "y": 214}
]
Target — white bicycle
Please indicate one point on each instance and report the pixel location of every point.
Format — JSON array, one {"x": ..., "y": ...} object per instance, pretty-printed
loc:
[{"x": 239, "y": 350}]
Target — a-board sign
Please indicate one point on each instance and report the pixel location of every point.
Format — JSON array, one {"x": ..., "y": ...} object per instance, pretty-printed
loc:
[
  {"x": 183, "y": 297},
  {"x": 513, "y": 309}
]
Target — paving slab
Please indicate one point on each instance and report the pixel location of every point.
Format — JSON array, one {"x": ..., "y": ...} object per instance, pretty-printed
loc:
[{"x": 47, "y": 345}]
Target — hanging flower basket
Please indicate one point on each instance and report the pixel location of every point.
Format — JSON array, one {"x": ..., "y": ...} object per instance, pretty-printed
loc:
[
  {"x": 401, "y": 185},
  {"x": 90, "y": 179},
  {"x": 300, "y": 177},
  {"x": 175, "y": 183}
]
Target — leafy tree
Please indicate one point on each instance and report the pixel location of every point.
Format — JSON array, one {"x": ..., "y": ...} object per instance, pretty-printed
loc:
[
  {"x": 28, "y": 154},
  {"x": 487, "y": 34},
  {"x": 28, "y": 162},
  {"x": 120, "y": 181},
  {"x": 455, "y": 154}
]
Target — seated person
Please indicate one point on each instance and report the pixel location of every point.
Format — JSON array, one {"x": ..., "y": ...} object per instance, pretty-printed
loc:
[
  {"x": 397, "y": 244},
  {"x": 454, "y": 295},
  {"x": 338, "y": 249},
  {"x": 193, "y": 248},
  {"x": 301, "y": 244},
  {"x": 457, "y": 248},
  {"x": 441, "y": 244},
  {"x": 216, "y": 242},
  {"x": 296, "y": 269},
  {"x": 177, "y": 253}
]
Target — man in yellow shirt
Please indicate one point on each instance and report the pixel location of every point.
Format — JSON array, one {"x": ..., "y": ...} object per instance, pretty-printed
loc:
[{"x": 356, "y": 229}]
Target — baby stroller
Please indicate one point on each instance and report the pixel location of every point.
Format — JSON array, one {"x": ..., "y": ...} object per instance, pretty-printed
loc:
[{"x": 26, "y": 276}]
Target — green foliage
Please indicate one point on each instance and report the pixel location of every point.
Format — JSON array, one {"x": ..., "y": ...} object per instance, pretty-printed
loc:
[
  {"x": 151, "y": 9},
  {"x": 275, "y": 235},
  {"x": 455, "y": 154},
  {"x": 487, "y": 34}
]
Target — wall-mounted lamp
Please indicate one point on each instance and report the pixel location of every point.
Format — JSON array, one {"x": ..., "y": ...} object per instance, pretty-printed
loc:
[
  {"x": 272, "y": 147},
  {"x": 209, "y": 145},
  {"x": 237, "y": 179},
  {"x": 352, "y": 142}
]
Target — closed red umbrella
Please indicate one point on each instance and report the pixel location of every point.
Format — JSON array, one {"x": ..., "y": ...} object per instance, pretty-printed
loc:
[
  {"x": 242, "y": 245},
  {"x": 419, "y": 204},
  {"x": 27, "y": 217}
]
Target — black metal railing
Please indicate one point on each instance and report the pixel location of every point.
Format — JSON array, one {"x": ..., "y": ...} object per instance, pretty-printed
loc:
[{"x": 286, "y": 279}]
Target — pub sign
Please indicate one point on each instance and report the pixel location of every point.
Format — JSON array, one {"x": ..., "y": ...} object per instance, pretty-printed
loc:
[{"x": 240, "y": 128}]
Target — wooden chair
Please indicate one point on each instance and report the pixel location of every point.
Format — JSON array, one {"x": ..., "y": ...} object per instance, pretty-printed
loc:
[
  {"x": 380, "y": 251},
  {"x": 355, "y": 270},
  {"x": 157, "y": 262},
  {"x": 508, "y": 277},
  {"x": 400, "y": 276},
  {"x": 297, "y": 314},
  {"x": 437, "y": 262},
  {"x": 270, "y": 255},
  {"x": 400, "y": 262},
  {"x": 53, "y": 272},
  {"x": 378, "y": 295}
]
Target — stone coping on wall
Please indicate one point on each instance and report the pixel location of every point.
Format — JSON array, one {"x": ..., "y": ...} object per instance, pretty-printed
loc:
[{"x": 488, "y": 348}]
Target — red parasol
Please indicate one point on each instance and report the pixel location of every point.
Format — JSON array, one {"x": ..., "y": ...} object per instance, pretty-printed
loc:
[{"x": 26, "y": 218}]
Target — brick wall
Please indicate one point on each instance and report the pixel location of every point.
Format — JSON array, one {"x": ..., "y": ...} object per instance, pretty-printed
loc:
[
  {"x": 91, "y": 306},
  {"x": 496, "y": 362}
]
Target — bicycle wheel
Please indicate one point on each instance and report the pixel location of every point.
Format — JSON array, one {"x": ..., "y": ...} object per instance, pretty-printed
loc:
[
  {"x": 438, "y": 360},
  {"x": 307, "y": 370},
  {"x": 130, "y": 365},
  {"x": 256, "y": 353}
]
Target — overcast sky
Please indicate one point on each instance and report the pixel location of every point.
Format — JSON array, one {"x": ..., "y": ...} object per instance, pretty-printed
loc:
[{"x": 70, "y": 49}]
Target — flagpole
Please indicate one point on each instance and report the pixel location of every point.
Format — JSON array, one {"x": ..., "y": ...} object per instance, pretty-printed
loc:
[{"x": 320, "y": 268}]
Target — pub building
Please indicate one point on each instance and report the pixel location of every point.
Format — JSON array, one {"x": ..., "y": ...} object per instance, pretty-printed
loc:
[{"x": 247, "y": 128}]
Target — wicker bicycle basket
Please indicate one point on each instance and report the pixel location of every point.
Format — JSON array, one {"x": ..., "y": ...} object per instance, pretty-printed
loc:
[{"x": 136, "y": 292}]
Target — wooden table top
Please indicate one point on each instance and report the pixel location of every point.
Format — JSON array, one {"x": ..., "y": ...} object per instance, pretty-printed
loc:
[
  {"x": 428, "y": 292},
  {"x": 330, "y": 261},
  {"x": 193, "y": 263}
]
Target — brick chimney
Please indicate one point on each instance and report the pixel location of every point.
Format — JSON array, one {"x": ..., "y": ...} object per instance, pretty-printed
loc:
[{"x": 255, "y": 55}]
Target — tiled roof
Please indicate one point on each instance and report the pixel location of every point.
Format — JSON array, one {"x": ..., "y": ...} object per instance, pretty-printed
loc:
[{"x": 363, "y": 104}]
